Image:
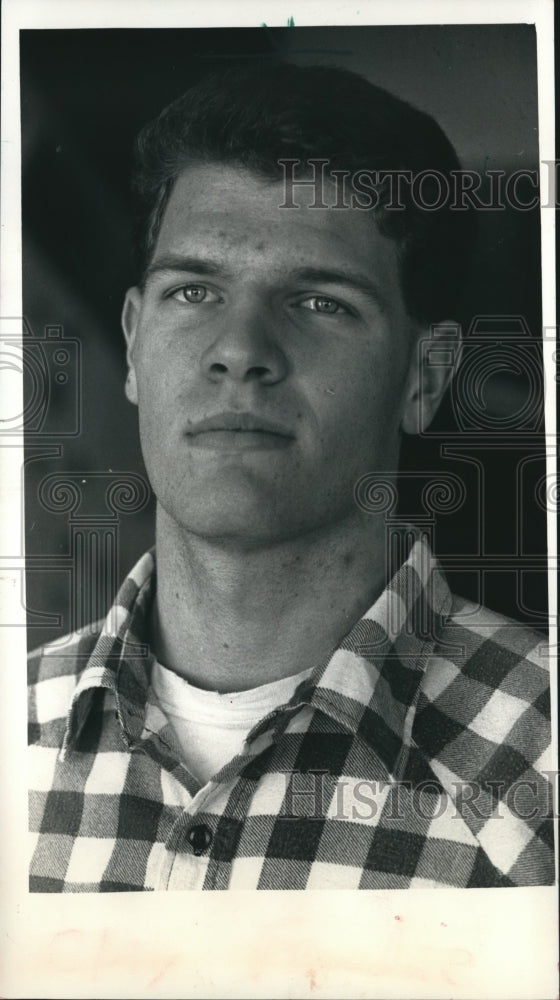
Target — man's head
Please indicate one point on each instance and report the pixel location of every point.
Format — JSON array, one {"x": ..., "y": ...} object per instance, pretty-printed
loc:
[
  {"x": 292, "y": 331},
  {"x": 257, "y": 117}
]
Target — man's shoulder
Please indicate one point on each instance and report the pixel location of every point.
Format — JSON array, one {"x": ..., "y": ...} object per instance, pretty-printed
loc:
[
  {"x": 485, "y": 696},
  {"x": 483, "y": 724},
  {"x": 53, "y": 672},
  {"x": 64, "y": 657},
  {"x": 477, "y": 637}
]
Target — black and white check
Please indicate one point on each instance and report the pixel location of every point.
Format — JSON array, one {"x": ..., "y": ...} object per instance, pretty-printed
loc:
[{"x": 417, "y": 756}]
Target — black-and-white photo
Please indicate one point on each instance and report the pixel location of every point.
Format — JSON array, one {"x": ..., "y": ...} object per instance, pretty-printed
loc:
[{"x": 286, "y": 480}]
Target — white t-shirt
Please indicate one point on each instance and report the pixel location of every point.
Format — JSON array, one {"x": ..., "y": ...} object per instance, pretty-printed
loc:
[{"x": 211, "y": 727}]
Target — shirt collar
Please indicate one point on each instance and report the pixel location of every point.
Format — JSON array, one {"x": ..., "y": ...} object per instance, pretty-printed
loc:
[
  {"x": 121, "y": 660},
  {"x": 369, "y": 685}
]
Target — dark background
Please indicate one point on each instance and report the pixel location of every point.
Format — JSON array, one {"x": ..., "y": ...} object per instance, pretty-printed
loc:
[{"x": 85, "y": 94}]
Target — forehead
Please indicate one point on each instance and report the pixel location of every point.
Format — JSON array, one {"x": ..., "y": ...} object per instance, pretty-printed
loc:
[{"x": 233, "y": 212}]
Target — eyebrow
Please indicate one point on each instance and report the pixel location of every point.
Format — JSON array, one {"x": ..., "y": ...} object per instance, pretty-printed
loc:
[{"x": 179, "y": 263}]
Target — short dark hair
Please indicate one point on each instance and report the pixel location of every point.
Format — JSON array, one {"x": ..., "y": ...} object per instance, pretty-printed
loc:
[{"x": 255, "y": 117}]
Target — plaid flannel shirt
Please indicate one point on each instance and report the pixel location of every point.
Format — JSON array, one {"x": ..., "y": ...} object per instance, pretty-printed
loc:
[{"x": 415, "y": 756}]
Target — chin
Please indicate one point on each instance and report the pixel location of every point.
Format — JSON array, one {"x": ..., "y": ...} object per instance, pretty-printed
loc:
[
  {"x": 229, "y": 522},
  {"x": 233, "y": 535},
  {"x": 248, "y": 511},
  {"x": 252, "y": 526}
]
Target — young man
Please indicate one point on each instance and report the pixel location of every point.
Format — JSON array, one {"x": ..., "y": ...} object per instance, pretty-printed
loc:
[{"x": 291, "y": 705}]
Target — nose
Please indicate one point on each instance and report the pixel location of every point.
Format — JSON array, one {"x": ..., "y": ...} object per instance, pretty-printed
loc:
[{"x": 246, "y": 349}]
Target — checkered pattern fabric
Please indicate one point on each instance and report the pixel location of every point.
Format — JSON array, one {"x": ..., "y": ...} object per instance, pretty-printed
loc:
[{"x": 416, "y": 756}]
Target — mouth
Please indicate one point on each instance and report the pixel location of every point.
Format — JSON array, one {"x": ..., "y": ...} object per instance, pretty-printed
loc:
[{"x": 238, "y": 432}]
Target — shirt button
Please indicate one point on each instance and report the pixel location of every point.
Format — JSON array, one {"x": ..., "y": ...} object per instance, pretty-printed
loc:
[{"x": 200, "y": 838}]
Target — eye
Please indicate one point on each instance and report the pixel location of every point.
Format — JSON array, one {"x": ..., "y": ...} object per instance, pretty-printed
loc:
[
  {"x": 194, "y": 294},
  {"x": 323, "y": 304}
]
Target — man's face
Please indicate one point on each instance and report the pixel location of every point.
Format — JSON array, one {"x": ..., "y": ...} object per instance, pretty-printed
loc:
[{"x": 270, "y": 354}]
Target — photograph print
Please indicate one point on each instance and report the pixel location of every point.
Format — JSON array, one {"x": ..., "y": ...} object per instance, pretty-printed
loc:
[{"x": 286, "y": 486}]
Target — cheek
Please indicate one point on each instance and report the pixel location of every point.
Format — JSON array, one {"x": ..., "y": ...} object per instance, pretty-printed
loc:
[
  {"x": 362, "y": 416},
  {"x": 158, "y": 386},
  {"x": 161, "y": 366},
  {"x": 367, "y": 391}
]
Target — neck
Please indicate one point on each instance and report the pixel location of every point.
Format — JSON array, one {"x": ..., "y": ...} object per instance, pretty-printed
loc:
[{"x": 229, "y": 619}]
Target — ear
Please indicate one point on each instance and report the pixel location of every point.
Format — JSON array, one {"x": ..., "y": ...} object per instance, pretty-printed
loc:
[
  {"x": 129, "y": 321},
  {"x": 435, "y": 359}
]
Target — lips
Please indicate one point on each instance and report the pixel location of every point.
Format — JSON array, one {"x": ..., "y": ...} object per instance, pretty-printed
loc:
[
  {"x": 238, "y": 423},
  {"x": 246, "y": 431}
]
